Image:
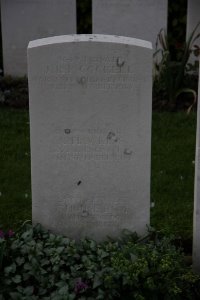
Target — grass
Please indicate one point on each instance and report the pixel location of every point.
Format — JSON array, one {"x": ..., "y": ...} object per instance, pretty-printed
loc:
[
  {"x": 172, "y": 180},
  {"x": 15, "y": 186},
  {"x": 173, "y": 151}
]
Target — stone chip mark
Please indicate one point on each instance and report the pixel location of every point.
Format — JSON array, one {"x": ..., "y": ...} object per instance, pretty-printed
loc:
[
  {"x": 112, "y": 136},
  {"x": 67, "y": 131},
  {"x": 120, "y": 62},
  {"x": 128, "y": 151},
  {"x": 82, "y": 80}
]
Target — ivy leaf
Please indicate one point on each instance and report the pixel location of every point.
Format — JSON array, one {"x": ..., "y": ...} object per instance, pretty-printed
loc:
[
  {"x": 10, "y": 269},
  {"x": 63, "y": 291},
  {"x": 28, "y": 291},
  {"x": 59, "y": 250},
  {"x": 17, "y": 279},
  {"x": 102, "y": 253},
  {"x": 20, "y": 260},
  {"x": 133, "y": 257},
  {"x": 97, "y": 282},
  {"x": 15, "y": 296},
  {"x": 27, "y": 235},
  {"x": 90, "y": 274}
]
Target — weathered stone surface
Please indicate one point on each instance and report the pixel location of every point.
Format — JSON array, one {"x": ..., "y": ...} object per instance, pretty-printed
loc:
[
  {"x": 196, "y": 225},
  {"x": 26, "y": 20},
  {"x": 90, "y": 113},
  {"x": 142, "y": 19}
]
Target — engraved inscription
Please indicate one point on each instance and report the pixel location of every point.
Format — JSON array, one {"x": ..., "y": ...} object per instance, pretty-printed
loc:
[
  {"x": 38, "y": 1},
  {"x": 94, "y": 209},
  {"x": 128, "y": 3},
  {"x": 92, "y": 72},
  {"x": 92, "y": 146},
  {"x": 112, "y": 3}
]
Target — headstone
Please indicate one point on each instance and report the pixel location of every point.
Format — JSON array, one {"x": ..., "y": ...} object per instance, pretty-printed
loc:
[
  {"x": 90, "y": 116},
  {"x": 142, "y": 19},
  {"x": 196, "y": 225},
  {"x": 26, "y": 20},
  {"x": 193, "y": 18}
]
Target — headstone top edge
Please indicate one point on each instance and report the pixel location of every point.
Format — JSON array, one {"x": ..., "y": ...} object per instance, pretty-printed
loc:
[{"x": 89, "y": 38}]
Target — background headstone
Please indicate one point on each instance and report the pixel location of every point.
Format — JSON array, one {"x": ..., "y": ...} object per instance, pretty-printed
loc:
[
  {"x": 193, "y": 17},
  {"x": 26, "y": 20},
  {"x": 196, "y": 225},
  {"x": 142, "y": 19},
  {"x": 90, "y": 115}
]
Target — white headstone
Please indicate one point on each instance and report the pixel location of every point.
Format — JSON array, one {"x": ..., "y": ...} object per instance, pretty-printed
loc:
[
  {"x": 90, "y": 114},
  {"x": 26, "y": 20},
  {"x": 196, "y": 224},
  {"x": 142, "y": 19},
  {"x": 193, "y": 18}
]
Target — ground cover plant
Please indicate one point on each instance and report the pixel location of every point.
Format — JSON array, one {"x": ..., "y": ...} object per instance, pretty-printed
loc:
[
  {"x": 172, "y": 178},
  {"x": 171, "y": 77},
  {"x": 14, "y": 91},
  {"x": 36, "y": 264}
]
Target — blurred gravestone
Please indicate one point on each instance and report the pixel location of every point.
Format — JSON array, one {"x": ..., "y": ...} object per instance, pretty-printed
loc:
[
  {"x": 1, "y": 60},
  {"x": 196, "y": 225},
  {"x": 90, "y": 116},
  {"x": 142, "y": 19},
  {"x": 193, "y": 18},
  {"x": 26, "y": 20}
]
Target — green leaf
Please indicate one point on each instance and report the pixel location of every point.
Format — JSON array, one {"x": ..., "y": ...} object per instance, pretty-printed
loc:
[
  {"x": 20, "y": 260},
  {"x": 93, "y": 245},
  {"x": 15, "y": 296},
  {"x": 97, "y": 282},
  {"x": 73, "y": 296},
  {"x": 28, "y": 291},
  {"x": 90, "y": 274},
  {"x": 27, "y": 266},
  {"x": 43, "y": 271},
  {"x": 27, "y": 235},
  {"x": 133, "y": 257},
  {"x": 64, "y": 290},
  {"x": 59, "y": 250},
  {"x": 10, "y": 269},
  {"x": 42, "y": 291},
  {"x": 103, "y": 254},
  {"x": 17, "y": 279}
]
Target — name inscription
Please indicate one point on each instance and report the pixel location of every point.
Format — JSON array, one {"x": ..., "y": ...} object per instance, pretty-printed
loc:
[{"x": 95, "y": 72}]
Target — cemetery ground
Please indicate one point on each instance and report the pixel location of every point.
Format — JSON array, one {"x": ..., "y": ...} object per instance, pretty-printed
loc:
[
  {"x": 35, "y": 264},
  {"x": 81, "y": 193},
  {"x": 172, "y": 175}
]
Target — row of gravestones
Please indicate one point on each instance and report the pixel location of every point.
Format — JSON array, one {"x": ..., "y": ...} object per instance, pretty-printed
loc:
[{"x": 25, "y": 20}]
